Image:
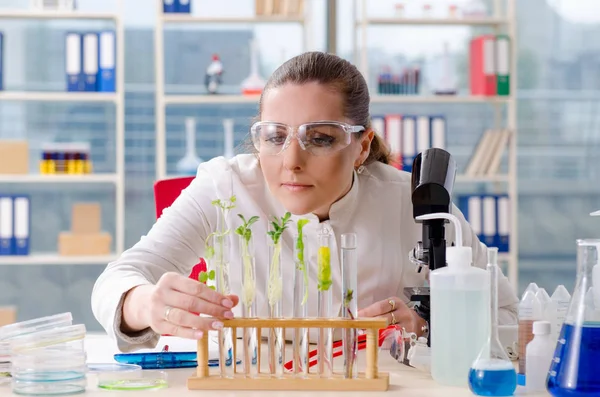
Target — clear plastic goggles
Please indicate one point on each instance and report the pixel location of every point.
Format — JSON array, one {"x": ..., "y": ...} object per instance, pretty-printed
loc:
[{"x": 319, "y": 138}]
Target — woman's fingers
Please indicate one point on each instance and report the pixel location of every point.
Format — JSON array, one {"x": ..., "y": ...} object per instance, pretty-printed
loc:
[
  {"x": 191, "y": 287},
  {"x": 382, "y": 307},
  {"x": 185, "y": 320},
  {"x": 194, "y": 304}
]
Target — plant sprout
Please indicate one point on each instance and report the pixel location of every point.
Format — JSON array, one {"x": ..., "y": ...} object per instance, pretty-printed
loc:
[
  {"x": 301, "y": 264},
  {"x": 209, "y": 251},
  {"x": 324, "y": 269},
  {"x": 275, "y": 288},
  {"x": 245, "y": 232},
  {"x": 347, "y": 299}
]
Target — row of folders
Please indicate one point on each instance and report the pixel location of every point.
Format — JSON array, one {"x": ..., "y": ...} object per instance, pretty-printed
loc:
[
  {"x": 489, "y": 217},
  {"x": 14, "y": 225},
  {"x": 490, "y": 65},
  {"x": 90, "y": 61},
  {"x": 408, "y": 135}
]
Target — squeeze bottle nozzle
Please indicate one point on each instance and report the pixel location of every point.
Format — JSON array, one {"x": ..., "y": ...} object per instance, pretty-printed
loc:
[{"x": 456, "y": 255}]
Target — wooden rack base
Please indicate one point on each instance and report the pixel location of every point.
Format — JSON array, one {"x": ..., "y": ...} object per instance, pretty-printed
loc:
[
  {"x": 369, "y": 380},
  {"x": 290, "y": 382}
]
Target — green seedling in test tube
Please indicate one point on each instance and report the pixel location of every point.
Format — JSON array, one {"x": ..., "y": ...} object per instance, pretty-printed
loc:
[
  {"x": 301, "y": 265},
  {"x": 245, "y": 233},
  {"x": 275, "y": 295},
  {"x": 209, "y": 277},
  {"x": 275, "y": 281}
]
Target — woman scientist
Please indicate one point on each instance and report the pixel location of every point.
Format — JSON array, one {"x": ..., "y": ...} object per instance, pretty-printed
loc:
[{"x": 317, "y": 157}]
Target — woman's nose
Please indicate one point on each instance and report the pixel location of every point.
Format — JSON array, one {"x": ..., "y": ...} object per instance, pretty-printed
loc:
[{"x": 293, "y": 155}]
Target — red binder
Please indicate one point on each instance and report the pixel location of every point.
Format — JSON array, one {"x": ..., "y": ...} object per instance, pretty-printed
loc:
[{"x": 482, "y": 61}]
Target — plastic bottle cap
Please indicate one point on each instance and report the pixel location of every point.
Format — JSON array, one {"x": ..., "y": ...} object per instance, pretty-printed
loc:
[
  {"x": 541, "y": 328},
  {"x": 459, "y": 256}
]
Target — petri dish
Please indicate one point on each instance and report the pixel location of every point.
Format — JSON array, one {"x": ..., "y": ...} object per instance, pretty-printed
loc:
[
  {"x": 35, "y": 325},
  {"x": 66, "y": 338},
  {"x": 112, "y": 367},
  {"x": 49, "y": 388},
  {"x": 5, "y": 375},
  {"x": 146, "y": 380}
]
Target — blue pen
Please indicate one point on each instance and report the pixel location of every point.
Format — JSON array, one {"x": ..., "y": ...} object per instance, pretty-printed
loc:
[{"x": 165, "y": 359}]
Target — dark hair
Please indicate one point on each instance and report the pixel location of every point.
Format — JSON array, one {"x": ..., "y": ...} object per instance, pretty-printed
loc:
[{"x": 340, "y": 75}]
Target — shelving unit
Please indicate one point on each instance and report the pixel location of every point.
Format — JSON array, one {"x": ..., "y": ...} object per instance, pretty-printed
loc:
[
  {"x": 41, "y": 259},
  {"x": 117, "y": 98},
  {"x": 162, "y": 99},
  {"x": 501, "y": 22}
]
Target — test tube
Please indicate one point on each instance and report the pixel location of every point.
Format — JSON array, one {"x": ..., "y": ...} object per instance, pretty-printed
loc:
[
  {"x": 250, "y": 337},
  {"x": 349, "y": 299},
  {"x": 221, "y": 261},
  {"x": 300, "y": 345},
  {"x": 275, "y": 296},
  {"x": 324, "y": 342}
]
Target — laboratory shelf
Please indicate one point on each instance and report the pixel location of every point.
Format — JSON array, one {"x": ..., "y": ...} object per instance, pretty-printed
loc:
[
  {"x": 60, "y": 178},
  {"x": 51, "y": 14},
  {"x": 439, "y": 99},
  {"x": 209, "y": 99},
  {"x": 482, "y": 178},
  {"x": 55, "y": 259},
  {"x": 67, "y": 96},
  {"x": 188, "y": 18},
  {"x": 471, "y": 21}
]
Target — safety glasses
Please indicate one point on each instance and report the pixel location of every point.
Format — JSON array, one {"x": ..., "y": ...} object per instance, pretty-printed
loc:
[{"x": 319, "y": 138}]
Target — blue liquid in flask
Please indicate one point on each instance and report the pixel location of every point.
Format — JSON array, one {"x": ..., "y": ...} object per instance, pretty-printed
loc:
[
  {"x": 493, "y": 378},
  {"x": 575, "y": 370}
]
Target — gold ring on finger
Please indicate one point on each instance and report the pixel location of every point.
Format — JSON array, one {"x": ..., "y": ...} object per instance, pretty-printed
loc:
[
  {"x": 393, "y": 318},
  {"x": 392, "y": 304},
  {"x": 167, "y": 312}
]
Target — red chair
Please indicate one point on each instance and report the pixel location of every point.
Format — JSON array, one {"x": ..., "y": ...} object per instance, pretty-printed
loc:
[{"x": 165, "y": 193}]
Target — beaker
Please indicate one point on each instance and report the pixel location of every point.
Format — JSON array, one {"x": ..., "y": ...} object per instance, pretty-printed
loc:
[
  {"x": 492, "y": 373},
  {"x": 575, "y": 369}
]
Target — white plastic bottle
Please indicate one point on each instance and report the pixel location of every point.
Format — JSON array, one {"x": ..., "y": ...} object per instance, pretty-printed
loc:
[
  {"x": 460, "y": 312},
  {"x": 540, "y": 352}
]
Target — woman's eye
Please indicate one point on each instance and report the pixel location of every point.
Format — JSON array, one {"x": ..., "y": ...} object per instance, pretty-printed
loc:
[
  {"x": 322, "y": 140},
  {"x": 275, "y": 140}
]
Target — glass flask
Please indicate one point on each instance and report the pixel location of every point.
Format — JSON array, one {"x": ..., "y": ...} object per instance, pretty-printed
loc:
[
  {"x": 492, "y": 373},
  {"x": 575, "y": 369}
]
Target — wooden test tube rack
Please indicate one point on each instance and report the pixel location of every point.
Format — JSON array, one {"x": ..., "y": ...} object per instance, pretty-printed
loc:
[{"x": 369, "y": 380}]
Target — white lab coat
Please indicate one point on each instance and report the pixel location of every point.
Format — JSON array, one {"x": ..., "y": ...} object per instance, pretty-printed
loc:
[{"x": 378, "y": 209}]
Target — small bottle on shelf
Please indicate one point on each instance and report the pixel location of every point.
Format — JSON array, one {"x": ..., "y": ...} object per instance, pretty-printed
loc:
[
  {"x": 427, "y": 10},
  {"x": 399, "y": 10}
]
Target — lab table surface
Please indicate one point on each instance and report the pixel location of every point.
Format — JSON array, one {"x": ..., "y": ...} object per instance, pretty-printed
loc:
[{"x": 404, "y": 380}]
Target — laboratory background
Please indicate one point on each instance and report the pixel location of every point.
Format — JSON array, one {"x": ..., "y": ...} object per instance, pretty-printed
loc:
[{"x": 100, "y": 99}]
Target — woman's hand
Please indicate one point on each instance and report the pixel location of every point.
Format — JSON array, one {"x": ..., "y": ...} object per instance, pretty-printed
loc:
[
  {"x": 396, "y": 312},
  {"x": 170, "y": 306}
]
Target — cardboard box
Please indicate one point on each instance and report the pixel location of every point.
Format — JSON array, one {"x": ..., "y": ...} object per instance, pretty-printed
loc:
[
  {"x": 84, "y": 244},
  {"x": 86, "y": 218},
  {"x": 8, "y": 315},
  {"x": 14, "y": 157}
]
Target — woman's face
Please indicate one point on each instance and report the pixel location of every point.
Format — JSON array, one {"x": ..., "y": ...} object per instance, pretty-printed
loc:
[{"x": 302, "y": 182}]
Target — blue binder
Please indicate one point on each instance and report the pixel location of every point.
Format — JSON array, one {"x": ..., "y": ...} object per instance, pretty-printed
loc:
[
  {"x": 21, "y": 224},
  {"x": 472, "y": 209},
  {"x": 6, "y": 225},
  {"x": 503, "y": 223},
  {"x": 438, "y": 131},
  {"x": 106, "y": 62},
  {"x": 169, "y": 6},
  {"x": 74, "y": 61},
  {"x": 1, "y": 61},
  {"x": 90, "y": 61},
  {"x": 409, "y": 141},
  {"x": 183, "y": 6}
]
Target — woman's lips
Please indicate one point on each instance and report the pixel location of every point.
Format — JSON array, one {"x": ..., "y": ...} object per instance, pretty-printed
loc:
[{"x": 296, "y": 187}]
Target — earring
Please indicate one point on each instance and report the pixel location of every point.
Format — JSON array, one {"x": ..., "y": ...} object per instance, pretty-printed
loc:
[{"x": 360, "y": 169}]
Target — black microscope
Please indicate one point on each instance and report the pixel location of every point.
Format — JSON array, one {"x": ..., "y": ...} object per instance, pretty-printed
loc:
[{"x": 432, "y": 183}]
